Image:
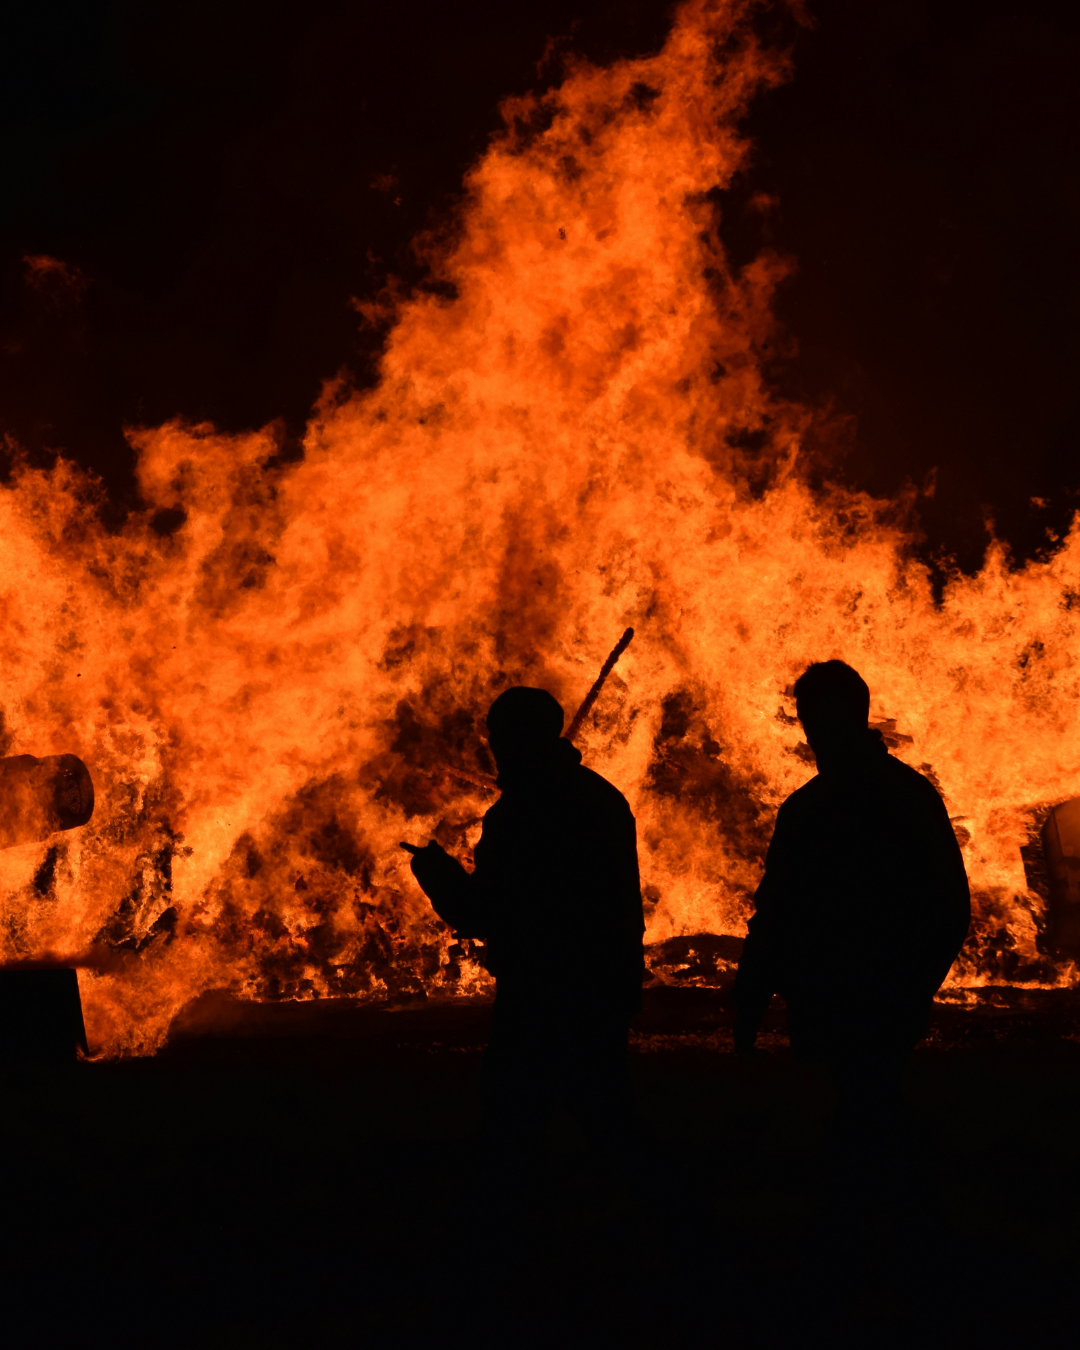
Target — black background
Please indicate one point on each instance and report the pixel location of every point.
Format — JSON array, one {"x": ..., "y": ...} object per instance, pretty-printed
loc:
[{"x": 226, "y": 175}]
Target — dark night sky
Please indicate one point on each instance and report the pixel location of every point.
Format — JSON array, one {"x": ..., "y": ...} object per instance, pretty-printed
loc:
[{"x": 207, "y": 167}]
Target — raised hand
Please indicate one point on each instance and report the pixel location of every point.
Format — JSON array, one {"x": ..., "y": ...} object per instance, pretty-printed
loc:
[{"x": 434, "y": 868}]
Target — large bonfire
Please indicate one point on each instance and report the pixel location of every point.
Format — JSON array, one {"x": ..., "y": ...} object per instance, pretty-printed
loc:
[{"x": 279, "y": 669}]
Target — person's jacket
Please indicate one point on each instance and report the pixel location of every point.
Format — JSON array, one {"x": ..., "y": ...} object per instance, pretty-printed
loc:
[
  {"x": 555, "y": 893},
  {"x": 862, "y": 910}
]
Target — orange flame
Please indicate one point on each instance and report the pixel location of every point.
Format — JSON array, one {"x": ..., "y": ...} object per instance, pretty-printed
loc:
[{"x": 270, "y": 670}]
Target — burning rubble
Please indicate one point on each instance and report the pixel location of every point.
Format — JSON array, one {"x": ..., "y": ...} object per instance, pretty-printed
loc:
[{"x": 279, "y": 669}]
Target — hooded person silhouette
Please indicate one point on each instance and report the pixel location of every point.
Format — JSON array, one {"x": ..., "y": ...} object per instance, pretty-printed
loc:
[
  {"x": 555, "y": 895},
  {"x": 864, "y": 905}
]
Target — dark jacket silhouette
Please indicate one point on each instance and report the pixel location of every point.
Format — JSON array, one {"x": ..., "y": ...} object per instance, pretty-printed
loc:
[
  {"x": 863, "y": 907},
  {"x": 555, "y": 895}
]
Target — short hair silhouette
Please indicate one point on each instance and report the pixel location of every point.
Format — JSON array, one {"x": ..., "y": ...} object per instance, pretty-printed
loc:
[
  {"x": 524, "y": 714},
  {"x": 832, "y": 691}
]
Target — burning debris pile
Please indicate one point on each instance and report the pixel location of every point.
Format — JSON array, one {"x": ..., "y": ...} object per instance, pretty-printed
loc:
[{"x": 279, "y": 669}]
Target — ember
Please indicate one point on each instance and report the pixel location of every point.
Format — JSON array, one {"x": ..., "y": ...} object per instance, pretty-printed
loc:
[{"x": 271, "y": 668}]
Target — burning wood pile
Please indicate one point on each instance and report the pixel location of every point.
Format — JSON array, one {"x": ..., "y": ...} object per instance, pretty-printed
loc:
[{"x": 278, "y": 669}]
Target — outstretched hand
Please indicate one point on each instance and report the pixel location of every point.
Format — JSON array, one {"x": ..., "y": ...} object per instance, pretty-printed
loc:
[{"x": 433, "y": 867}]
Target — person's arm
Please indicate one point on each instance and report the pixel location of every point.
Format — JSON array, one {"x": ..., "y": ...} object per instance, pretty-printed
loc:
[
  {"x": 453, "y": 892},
  {"x": 946, "y": 888},
  {"x": 633, "y": 912},
  {"x": 758, "y": 974},
  {"x": 755, "y": 981}
]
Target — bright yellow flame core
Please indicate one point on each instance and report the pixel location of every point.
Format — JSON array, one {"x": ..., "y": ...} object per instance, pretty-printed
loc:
[{"x": 267, "y": 698}]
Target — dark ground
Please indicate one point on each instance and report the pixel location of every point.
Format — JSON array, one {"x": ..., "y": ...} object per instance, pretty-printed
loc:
[{"x": 307, "y": 1175}]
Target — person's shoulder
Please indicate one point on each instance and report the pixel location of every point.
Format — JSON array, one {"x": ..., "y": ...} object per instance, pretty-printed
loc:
[
  {"x": 799, "y": 810},
  {"x": 803, "y": 798},
  {"x": 498, "y": 811},
  {"x": 799, "y": 813},
  {"x": 911, "y": 781},
  {"x": 596, "y": 788}
]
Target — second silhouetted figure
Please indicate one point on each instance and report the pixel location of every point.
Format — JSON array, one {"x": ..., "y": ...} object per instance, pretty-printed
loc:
[
  {"x": 555, "y": 895},
  {"x": 864, "y": 904}
]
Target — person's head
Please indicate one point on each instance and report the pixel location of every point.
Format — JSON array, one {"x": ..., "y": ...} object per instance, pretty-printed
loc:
[
  {"x": 524, "y": 726},
  {"x": 833, "y": 704}
]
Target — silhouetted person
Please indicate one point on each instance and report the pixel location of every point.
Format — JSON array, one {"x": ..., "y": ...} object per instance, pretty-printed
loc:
[
  {"x": 555, "y": 895},
  {"x": 864, "y": 904}
]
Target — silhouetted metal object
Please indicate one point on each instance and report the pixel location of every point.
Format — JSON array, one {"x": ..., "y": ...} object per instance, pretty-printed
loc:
[
  {"x": 41, "y": 796},
  {"x": 488, "y": 782},
  {"x": 41, "y": 1019},
  {"x": 1061, "y": 849},
  {"x": 594, "y": 693}
]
